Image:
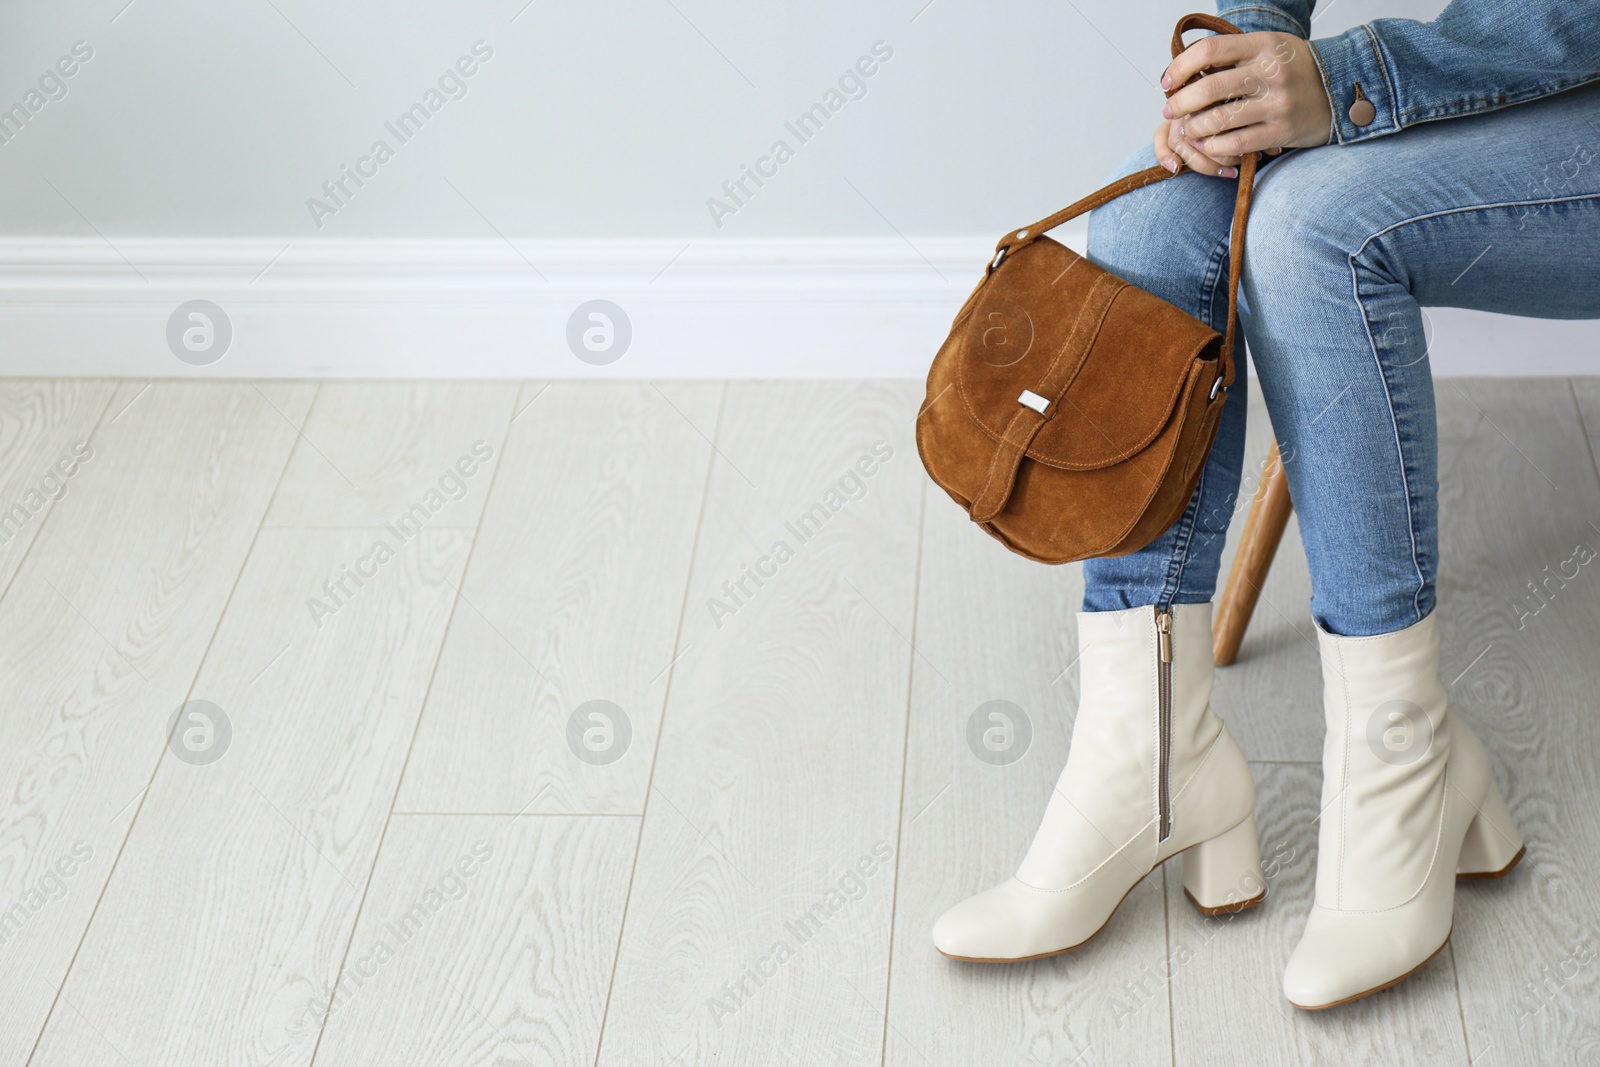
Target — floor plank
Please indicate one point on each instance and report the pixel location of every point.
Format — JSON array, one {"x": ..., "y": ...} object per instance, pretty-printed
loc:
[
  {"x": 574, "y": 595},
  {"x": 106, "y": 623},
  {"x": 1522, "y": 490},
  {"x": 994, "y": 626},
  {"x": 1586, "y": 391},
  {"x": 238, "y": 888},
  {"x": 777, "y": 780},
  {"x": 484, "y": 939},
  {"x": 372, "y": 452},
  {"x": 45, "y": 431}
]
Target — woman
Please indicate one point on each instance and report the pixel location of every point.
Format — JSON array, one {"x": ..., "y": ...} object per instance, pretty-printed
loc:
[{"x": 1453, "y": 163}]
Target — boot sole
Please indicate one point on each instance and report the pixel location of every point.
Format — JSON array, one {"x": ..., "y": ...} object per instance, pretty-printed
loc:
[
  {"x": 1226, "y": 909},
  {"x": 1488, "y": 876}
]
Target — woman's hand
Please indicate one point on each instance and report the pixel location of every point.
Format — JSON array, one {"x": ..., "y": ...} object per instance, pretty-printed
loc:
[{"x": 1264, "y": 94}]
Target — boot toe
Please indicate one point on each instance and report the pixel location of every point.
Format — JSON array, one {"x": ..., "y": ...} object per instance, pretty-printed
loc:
[
  {"x": 1342, "y": 957},
  {"x": 984, "y": 927},
  {"x": 1313, "y": 980}
]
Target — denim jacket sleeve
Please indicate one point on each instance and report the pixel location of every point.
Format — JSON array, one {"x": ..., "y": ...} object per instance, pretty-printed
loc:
[{"x": 1478, "y": 55}]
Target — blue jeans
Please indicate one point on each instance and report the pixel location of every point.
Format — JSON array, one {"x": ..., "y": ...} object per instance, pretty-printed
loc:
[{"x": 1346, "y": 244}]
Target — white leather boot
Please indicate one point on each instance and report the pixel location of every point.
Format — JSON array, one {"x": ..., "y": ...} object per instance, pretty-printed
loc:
[
  {"x": 1151, "y": 772},
  {"x": 1409, "y": 805}
]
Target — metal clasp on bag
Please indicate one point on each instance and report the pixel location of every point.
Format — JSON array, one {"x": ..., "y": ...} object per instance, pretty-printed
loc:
[
  {"x": 994, "y": 264},
  {"x": 1216, "y": 387},
  {"x": 1031, "y": 399}
]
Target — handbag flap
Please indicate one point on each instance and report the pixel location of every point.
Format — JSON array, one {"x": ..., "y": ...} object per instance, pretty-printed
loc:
[{"x": 1124, "y": 374}]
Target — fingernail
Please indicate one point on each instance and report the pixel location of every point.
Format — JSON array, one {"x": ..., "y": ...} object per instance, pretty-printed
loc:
[
  {"x": 1166, "y": 112},
  {"x": 1172, "y": 165},
  {"x": 1228, "y": 172},
  {"x": 1166, "y": 81}
]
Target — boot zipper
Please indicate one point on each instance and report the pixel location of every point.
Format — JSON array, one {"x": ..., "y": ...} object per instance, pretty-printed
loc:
[{"x": 1163, "y": 722}]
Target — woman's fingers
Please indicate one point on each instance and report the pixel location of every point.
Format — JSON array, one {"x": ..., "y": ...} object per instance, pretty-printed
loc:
[
  {"x": 1175, "y": 152},
  {"x": 1222, "y": 160},
  {"x": 1210, "y": 90},
  {"x": 1224, "y": 50},
  {"x": 1165, "y": 156},
  {"x": 1195, "y": 159},
  {"x": 1232, "y": 115},
  {"x": 1257, "y": 138}
]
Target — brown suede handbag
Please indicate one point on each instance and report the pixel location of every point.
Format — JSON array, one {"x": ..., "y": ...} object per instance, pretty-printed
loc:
[{"x": 1069, "y": 411}]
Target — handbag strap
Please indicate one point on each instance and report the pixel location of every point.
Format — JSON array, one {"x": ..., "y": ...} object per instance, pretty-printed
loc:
[{"x": 1149, "y": 176}]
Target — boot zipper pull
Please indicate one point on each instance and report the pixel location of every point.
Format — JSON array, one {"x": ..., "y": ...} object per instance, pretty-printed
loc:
[{"x": 1164, "y": 635}]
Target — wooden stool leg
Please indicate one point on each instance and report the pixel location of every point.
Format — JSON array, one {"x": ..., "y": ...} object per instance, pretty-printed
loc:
[{"x": 1263, "y": 529}]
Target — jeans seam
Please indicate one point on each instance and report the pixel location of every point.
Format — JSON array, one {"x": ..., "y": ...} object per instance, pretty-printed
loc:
[
  {"x": 1399, "y": 441},
  {"x": 1211, "y": 283},
  {"x": 1420, "y": 114},
  {"x": 1178, "y": 559},
  {"x": 1383, "y": 72},
  {"x": 1361, "y": 249},
  {"x": 1298, "y": 30}
]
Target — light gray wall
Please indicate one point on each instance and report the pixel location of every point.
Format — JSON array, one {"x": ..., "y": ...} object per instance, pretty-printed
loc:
[{"x": 592, "y": 117}]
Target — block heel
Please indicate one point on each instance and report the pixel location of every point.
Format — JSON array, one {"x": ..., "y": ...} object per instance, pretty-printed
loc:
[
  {"x": 1492, "y": 845},
  {"x": 1223, "y": 875}
]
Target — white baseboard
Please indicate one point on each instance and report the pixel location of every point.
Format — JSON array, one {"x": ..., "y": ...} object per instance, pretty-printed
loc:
[{"x": 845, "y": 307}]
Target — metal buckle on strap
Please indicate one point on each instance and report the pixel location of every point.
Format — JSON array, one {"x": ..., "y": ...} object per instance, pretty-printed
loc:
[
  {"x": 998, "y": 256},
  {"x": 1031, "y": 399},
  {"x": 1216, "y": 386}
]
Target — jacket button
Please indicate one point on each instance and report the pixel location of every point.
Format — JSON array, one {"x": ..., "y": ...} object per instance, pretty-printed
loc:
[{"x": 1362, "y": 112}]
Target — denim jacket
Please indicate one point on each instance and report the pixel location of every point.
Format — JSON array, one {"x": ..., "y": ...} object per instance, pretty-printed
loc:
[{"x": 1478, "y": 55}]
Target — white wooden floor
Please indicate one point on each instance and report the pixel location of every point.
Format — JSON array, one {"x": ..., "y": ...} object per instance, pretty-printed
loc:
[{"x": 396, "y": 846}]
